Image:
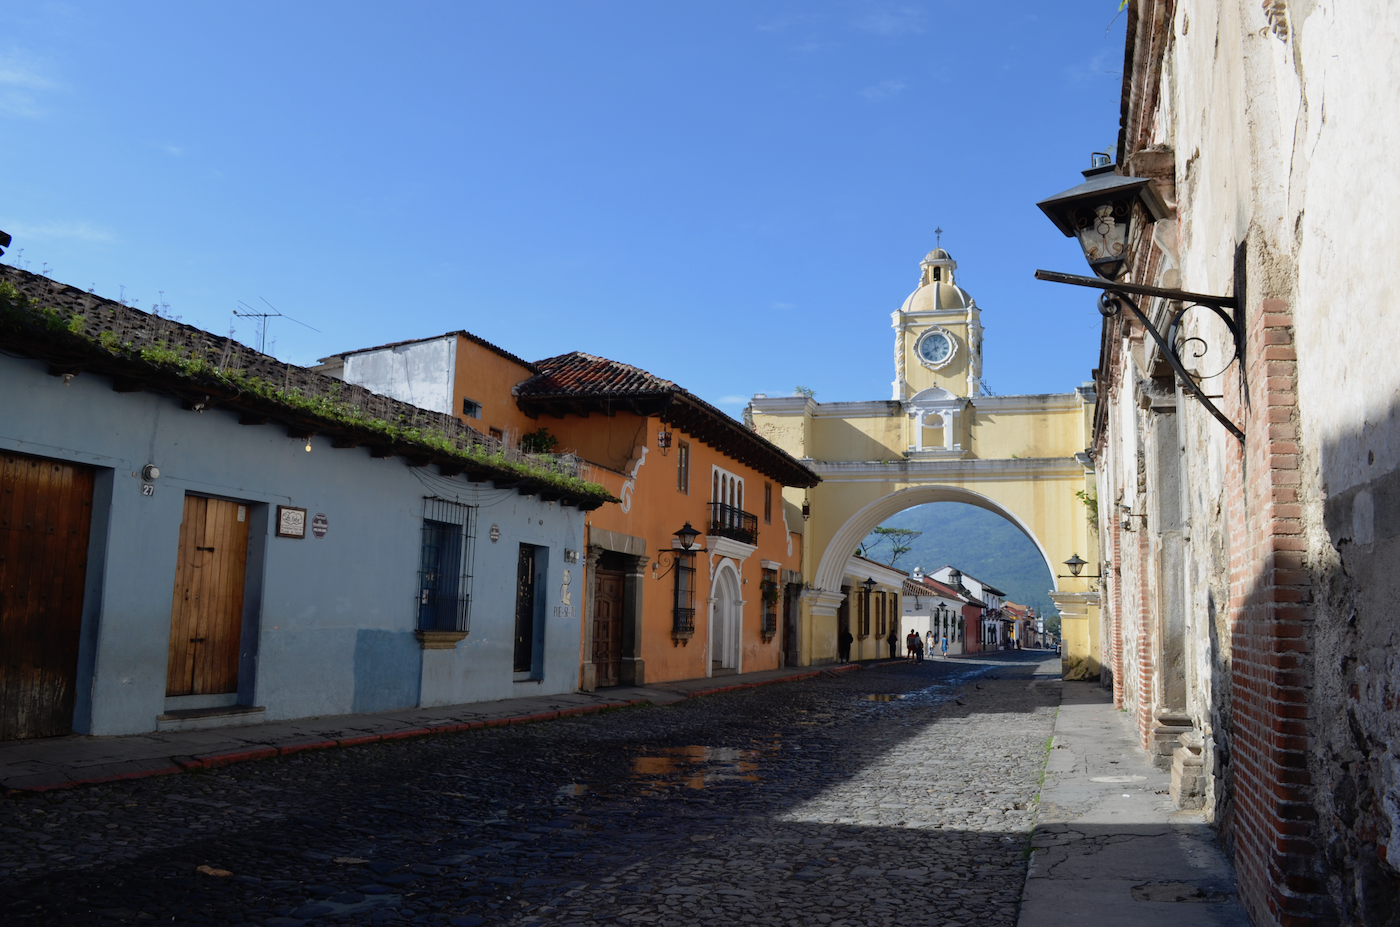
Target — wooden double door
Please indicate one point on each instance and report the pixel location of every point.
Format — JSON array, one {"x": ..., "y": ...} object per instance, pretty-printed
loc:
[
  {"x": 206, "y": 613},
  {"x": 45, "y": 520},
  {"x": 607, "y": 626}
]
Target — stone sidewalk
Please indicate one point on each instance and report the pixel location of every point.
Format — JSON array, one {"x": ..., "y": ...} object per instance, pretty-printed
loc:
[
  {"x": 1109, "y": 844},
  {"x": 64, "y": 762}
]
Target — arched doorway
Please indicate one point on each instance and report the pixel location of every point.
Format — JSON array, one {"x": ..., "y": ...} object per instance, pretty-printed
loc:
[{"x": 726, "y": 622}]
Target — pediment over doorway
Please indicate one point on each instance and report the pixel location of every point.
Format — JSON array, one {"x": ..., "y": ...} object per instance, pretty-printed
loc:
[{"x": 935, "y": 397}]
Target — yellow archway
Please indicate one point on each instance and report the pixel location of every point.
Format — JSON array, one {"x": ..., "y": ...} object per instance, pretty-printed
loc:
[{"x": 940, "y": 438}]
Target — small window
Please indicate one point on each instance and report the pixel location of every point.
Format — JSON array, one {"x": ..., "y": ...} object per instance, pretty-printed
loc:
[
  {"x": 683, "y": 467},
  {"x": 863, "y": 622},
  {"x": 498, "y": 434},
  {"x": 471, "y": 408},
  {"x": 768, "y": 503}
]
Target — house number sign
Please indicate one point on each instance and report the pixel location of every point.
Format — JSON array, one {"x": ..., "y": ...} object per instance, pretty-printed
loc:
[
  {"x": 319, "y": 525},
  {"x": 291, "y": 522}
]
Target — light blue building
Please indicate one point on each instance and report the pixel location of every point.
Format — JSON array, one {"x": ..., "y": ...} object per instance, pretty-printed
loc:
[{"x": 193, "y": 534}]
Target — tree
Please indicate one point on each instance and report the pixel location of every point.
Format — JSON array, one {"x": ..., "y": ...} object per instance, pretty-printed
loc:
[{"x": 898, "y": 539}]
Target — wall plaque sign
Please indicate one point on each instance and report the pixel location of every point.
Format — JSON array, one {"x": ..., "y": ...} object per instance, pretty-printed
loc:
[
  {"x": 319, "y": 525},
  {"x": 291, "y": 522}
]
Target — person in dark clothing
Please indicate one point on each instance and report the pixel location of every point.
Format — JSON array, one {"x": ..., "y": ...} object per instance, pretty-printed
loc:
[
  {"x": 918, "y": 649},
  {"x": 893, "y": 641},
  {"x": 843, "y": 644}
]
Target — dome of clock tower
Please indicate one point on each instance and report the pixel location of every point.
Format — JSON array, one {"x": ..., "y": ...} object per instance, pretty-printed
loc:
[{"x": 937, "y": 289}]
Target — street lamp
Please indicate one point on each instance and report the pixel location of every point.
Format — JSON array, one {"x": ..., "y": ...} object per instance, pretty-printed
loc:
[
  {"x": 686, "y": 536},
  {"x": 1104, "y": 213},
  {"x": 1076, "y": 564}
]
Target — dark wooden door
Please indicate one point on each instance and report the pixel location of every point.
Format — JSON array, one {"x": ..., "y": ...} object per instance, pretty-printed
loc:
[
  {"x": 206, "y": 613},
  {"x": 607, "y": 627},
  {"x": 525, "y": 610},
  {"x": 45, "y": 516}
]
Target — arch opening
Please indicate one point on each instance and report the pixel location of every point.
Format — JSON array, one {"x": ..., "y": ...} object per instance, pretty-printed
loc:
[
  {"x": 850, "y": 535},
  {"x": 725, "y": 624}
]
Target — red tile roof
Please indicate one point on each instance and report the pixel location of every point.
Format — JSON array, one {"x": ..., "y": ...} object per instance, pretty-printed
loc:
[{"x": 579, "y": 384}]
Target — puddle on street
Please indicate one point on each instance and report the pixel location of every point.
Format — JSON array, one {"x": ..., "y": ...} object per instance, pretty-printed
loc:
[
  {"x": 883, "y": 697},
  {"x": 572, "y": 790},
  {"x": 696, "y": 767}
]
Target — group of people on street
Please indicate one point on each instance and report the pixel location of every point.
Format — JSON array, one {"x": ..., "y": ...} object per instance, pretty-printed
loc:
[{"x": 914, "y": 645}]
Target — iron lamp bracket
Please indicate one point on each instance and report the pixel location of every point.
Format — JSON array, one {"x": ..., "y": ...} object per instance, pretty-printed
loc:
[{"x": 1116, "y": 295}]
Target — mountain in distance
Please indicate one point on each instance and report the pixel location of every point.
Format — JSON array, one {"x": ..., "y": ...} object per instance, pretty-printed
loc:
[{"x": 976, "y": 541}]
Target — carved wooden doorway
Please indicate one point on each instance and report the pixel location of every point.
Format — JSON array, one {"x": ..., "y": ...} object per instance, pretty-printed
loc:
[
  {"x": 206, "y": 612},
  {"x": 45, "y": 516},
  {"x": 607, "y": 625}
]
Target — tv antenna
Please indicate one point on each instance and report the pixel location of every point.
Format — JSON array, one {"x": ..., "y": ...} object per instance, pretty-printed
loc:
[{"x": 264, "y": 316}]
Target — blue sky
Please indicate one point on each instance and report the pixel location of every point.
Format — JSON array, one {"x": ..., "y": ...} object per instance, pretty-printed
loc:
[{"x": 731, "y": 195}]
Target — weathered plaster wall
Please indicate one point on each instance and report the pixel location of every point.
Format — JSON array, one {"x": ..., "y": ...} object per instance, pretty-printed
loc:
[
  {"x": 334, "y": 625},
  {"x": 421, "y": 372}
]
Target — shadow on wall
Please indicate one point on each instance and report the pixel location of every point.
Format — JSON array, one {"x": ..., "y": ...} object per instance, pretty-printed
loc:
[
  {"x": 1356, "y": 672},
  {"x": 388, "y": 670}
]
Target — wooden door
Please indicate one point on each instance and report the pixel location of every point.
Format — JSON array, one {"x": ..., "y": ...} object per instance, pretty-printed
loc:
[
  {"x": 525, "y": 610},
  {"x": 607, "y": 627},
  {"x": 45, "y": 516},
  {"x": 206, "y": 613}
]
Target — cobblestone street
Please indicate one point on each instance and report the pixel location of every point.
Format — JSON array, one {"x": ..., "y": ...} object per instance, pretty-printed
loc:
[{"x": 895, "y": 794}]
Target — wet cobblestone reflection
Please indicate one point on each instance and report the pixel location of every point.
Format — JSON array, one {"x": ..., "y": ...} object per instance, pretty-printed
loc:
[{"x": 816, "y": 802}]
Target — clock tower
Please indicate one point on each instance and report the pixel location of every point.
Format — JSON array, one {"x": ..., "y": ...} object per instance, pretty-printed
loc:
[{"x": 938, "y": 334}]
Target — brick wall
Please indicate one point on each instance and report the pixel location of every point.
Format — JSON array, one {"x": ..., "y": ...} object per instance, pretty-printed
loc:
[{"x": 1271, "y": 821}]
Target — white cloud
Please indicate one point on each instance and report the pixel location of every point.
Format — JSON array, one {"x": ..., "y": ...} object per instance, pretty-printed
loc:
[
  {"x": 22, "y": 85},
  {"x": 903, "y": 20},
  {"x": 56, "y": 231},
  {"x": 884, "y": 90}
]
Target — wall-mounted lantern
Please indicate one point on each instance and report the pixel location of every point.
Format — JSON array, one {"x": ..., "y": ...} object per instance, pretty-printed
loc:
[
  {"x": 1102, "y": 213},
  {"x": 1076, "y": 565},
  {"x": 663, "y": 441},
  {"x": 806, "y": 508},
  {"x": 686, "y": 538}
]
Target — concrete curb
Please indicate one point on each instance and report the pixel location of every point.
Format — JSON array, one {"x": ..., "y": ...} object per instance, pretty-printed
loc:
[{"x": 182, "y": 764}]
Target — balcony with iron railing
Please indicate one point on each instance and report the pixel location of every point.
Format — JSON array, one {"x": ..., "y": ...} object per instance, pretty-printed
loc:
[{"x": 727, "y": 521}]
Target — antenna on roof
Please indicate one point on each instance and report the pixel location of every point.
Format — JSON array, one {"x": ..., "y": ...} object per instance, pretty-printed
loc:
[{"x": 264, "y": 316}]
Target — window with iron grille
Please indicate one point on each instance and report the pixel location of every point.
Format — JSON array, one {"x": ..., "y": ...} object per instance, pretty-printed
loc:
[
  {"x": 864, "y": 622},
  {"x": 768, "y": 503},
  {"x": 770, "y": 604},
  {"x": 444, "y": 573},
  {"x": 683, "y": 466},
  {"x": 683, "y": 622}
]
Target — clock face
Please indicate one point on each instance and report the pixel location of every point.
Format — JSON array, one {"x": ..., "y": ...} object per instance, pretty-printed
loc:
[{"x": 935, "y": 348}]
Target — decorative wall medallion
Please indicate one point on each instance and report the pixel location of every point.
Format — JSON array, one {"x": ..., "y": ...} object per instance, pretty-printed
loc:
[{"x": 936, "y": 347}]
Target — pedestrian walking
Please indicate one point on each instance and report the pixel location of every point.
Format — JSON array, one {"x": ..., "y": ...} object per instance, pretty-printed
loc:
[
  {"x": 911, "y": 646},
  {"x": 893, "y": 642},
  {"x": 929, "y": 642},
  {"x": 945, "y": 648},
  {"x": 843, "y": 644},
  {"x": 918, "y": 649}
]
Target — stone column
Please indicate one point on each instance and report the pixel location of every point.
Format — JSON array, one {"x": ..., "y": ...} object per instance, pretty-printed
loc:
[
  {"x": 633, "y": 668},
  {"x": 588, "y": 671}
]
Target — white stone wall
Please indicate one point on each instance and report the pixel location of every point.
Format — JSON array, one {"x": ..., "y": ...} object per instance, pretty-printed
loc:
[{"x": 420, "y": 372}]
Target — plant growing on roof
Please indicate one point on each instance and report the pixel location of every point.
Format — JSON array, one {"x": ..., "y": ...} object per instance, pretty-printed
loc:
[{"x": 539, "y": 441}]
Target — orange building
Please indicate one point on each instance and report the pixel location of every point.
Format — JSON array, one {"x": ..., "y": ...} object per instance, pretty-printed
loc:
[{"x": 652, "y": 610}]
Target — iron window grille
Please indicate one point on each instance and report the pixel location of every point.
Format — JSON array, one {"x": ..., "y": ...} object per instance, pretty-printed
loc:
[
  {"x": 769, "y": 626},
  {"x": 683, "y": 466},
  {"x": 768, "y": 503},
  {"x": 730, "y": 521},
  {"x": 683, "y": 601},
  {"x": 444, "y": 574}
]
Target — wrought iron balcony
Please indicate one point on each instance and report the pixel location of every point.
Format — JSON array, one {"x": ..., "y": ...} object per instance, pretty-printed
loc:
[
  {"x": 683, "y": 622},
  {"x": 727, "y": 521}
]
